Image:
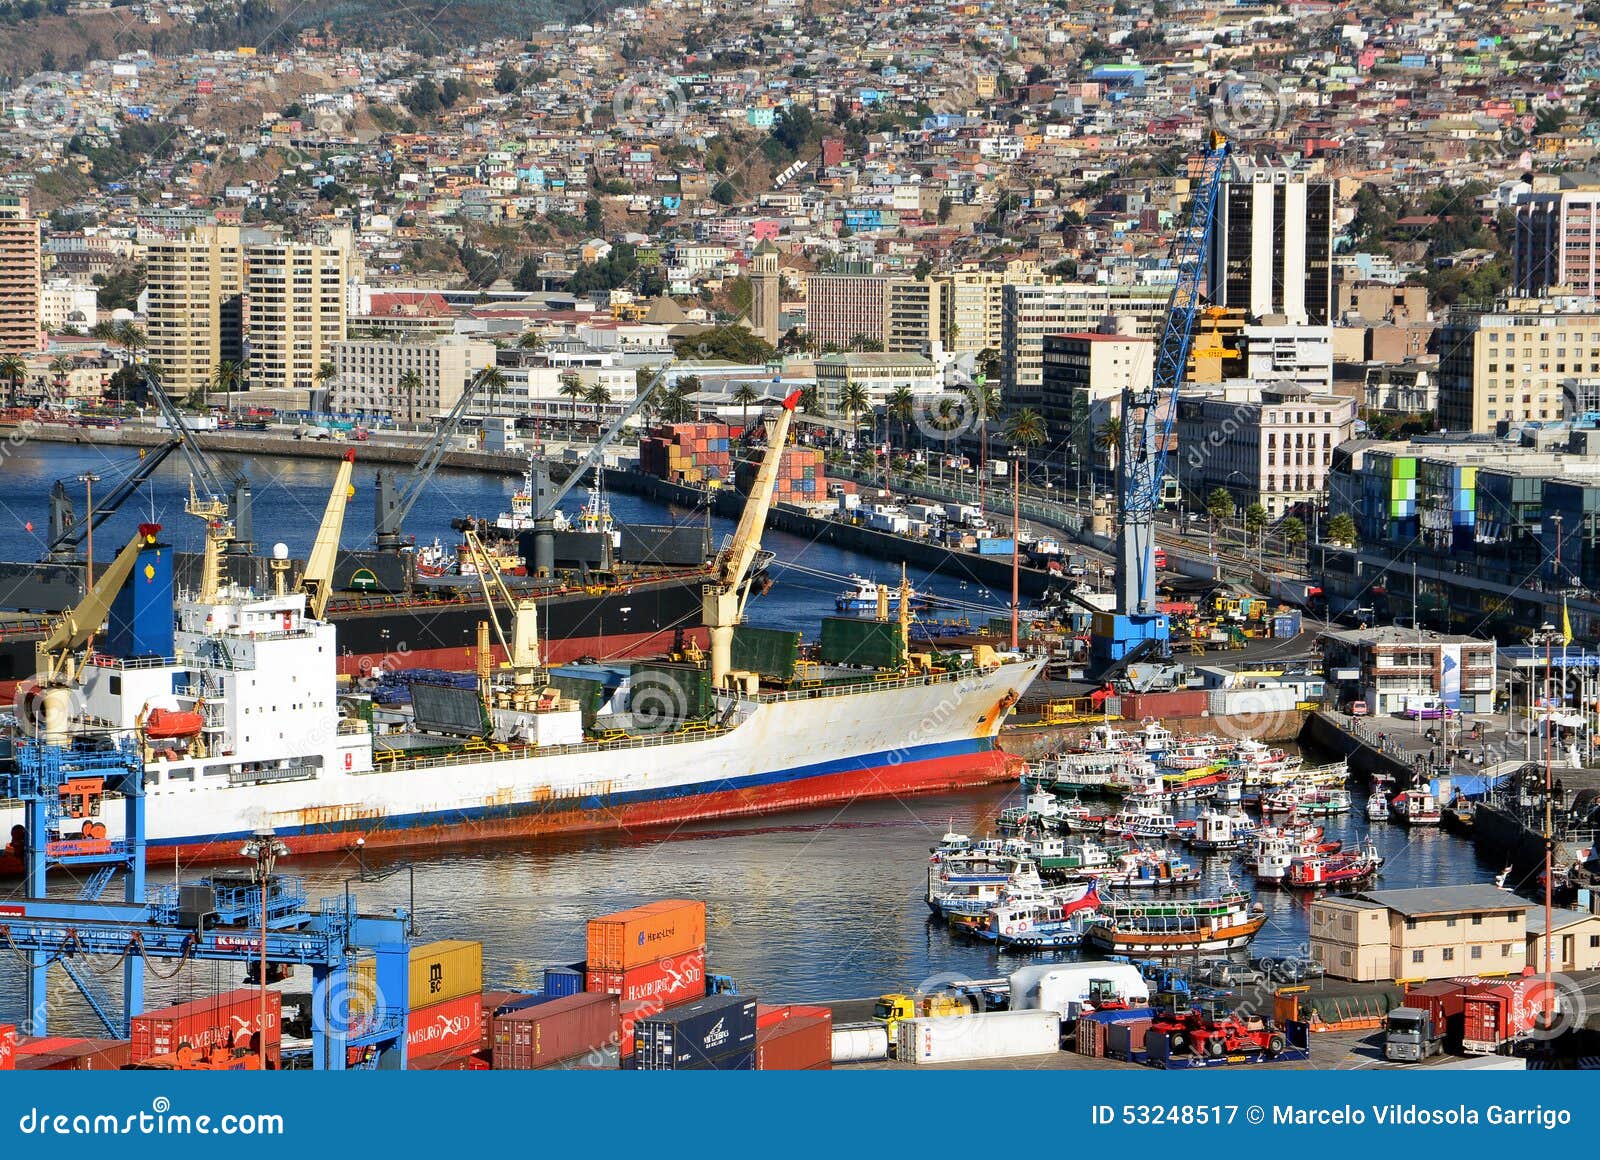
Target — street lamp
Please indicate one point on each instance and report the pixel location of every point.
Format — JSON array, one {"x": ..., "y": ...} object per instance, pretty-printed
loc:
[
  {"x": 264, "y": 850},
  {"x": 88, "y": 479}
]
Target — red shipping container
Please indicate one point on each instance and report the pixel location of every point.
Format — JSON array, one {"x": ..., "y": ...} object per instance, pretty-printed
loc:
[
  {"x": 798, "y": 1043},
  {"x": 1493, "y": 1015},
  {"x": 8, "y": 1046},
  {"x": 60, "y": 1053},
  {"x": 461, "y": 1059},
  {"x": 645, "y": 934},
  {"x": 674, "y": 979},
  {"x": 534, "y": 1037},
  {"x": 231, "y": 1019},
  {"x": 628, "y": 1016},
  {"x": 445, "y": 1026}
]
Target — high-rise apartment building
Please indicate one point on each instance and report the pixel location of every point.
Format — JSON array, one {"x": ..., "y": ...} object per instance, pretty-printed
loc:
[
  {"x": 296, "y": 312},
  {"x": 1557, "y": 240},
  {"x": 1272, "y": 244},
  {"x": 196, "y": 306},
  {"x": 1084, "y": 377},
  {"x": 1032, "y": 311},
  {"x": 916, "y": 314},
  {"x": 20, "y": 267},
  {"x": 842, "y": 307},
  {"x": 1514, "y": 363}
]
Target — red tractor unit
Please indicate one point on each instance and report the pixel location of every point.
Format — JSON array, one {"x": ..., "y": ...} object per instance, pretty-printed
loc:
[{"x": 1194, "y": 1033}]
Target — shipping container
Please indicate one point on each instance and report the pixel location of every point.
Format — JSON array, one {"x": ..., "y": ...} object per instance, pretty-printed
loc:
[
  {"x": 447, "y": 1026},
  {"x": 445, "y": 970},
  {"x": 1124, "y": 1039},
  {"x": 695, "y": 1033},
  {"x": 562, "y": 981},
  {"x": 798, "y": 1043},
  {"x": 1165, "y": 706},
  {"x": 992, "y": 1035},
  {"x": 628, "y": 1015},
  {"x": 848, "y": 640},
  {"x": 1442, "y": 1002},
  {"x": 1494, "y": 1016},
  {"x": 461, "y": 1059},
  {"x": 231, "y": 1019},
  {"x": 665, "y": 692},
  {"x": 492, "y": 1003},
  {"x": 743, "y": 1059},
  {"x": 531, "y": 1037},
  {"x": 860, "y": 1043},
  {"x": 603, "y": 1058},
  {"x": 996, "y": 546},
  {"x": 646, "y": 934},
  {"x": 66, "y": 1053},
  {"x": 674, "y": 979},
  {"x": 8, "y": 1046}
]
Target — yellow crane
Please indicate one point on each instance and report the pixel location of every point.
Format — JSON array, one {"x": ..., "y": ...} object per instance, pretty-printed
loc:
[
  {"x": 722, "y": 601},
  {"x": 316, "y": 581},
  {"x": 57, "y": 656},
  {"x": 522, "y": 646}
]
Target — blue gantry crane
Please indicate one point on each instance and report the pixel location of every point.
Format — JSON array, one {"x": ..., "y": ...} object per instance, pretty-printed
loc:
[{"x": 1137, "y": 632}]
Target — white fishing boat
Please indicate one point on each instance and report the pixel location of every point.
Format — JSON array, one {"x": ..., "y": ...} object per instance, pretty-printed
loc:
[
  {"x": 1416, "y": 807},
  {"x": 1378, "y": 806},
  {"x": 1218, "y": 831}
]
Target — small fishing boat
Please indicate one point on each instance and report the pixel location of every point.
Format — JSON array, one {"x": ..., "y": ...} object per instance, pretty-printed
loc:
[
  {"x": 1143, "y": 818},
  {"x": 1196, "y": 751},
  {"x": 1216, "y": 831},
  {"x": 1102, "y": 772},
  {"x": 1169, "y": 927},
  {"x": 972, "y": 882},
  {"x": 1274, "y": 856},
  {"x": 1052, "y": 923},
  {"x": 862, "y": 595},
  {"x": 1347, "y": 868},
  {"x": 1149, "y": 870},
  {"x": 1041, "y": 810},
  {"x": 1075, "y": 858},
  {"x": 1308, "y": 801},
  {"x": 1416, "y": 807},
  {"x": 1378, "y": 806}
]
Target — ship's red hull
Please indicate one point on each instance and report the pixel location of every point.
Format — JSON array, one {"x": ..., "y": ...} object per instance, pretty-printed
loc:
[{"x": 935, "y": 775}]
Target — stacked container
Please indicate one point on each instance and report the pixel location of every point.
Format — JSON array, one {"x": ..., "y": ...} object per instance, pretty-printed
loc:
[
  {"x": 794, "y": 1039},
  {"x": 445, "y": 1014},
  {"x": 690, "y": 453},
  {"x": 61, "y": 1053},
  {"x": 231, "y": 1019},
  {"x": 717, "y": 1033},
  {"x": 802, "y": 476},
  {"x": 651, "y": 952},
  {"x": 529, "y": 1038}
]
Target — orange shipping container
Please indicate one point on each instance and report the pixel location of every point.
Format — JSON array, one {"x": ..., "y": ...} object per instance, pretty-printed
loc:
[
  {"x": 645, "y": 934},
  {"x": 8, "y": 1046}
]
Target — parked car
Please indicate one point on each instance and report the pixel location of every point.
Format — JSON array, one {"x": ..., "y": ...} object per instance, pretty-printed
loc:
[{"x": 1230, "y": 974}]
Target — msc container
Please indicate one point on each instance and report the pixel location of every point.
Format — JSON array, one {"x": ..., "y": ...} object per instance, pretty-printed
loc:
[
  {"x": 8, "y": 1046},
  {"x": 695, "y": 1033},
  {"x": 447, "y": 1026},
  {"x": 860, "y": 1043},
  {"x": 768, "y": 651},
  {"x": 445, "y": 970},
  {"x": 674, "y": 979},
  {"x": 849, "y": 640},
  {"x": 646, "y": 934},
  {"x": 992, "y": 1035},
  {"x": 560, "y": 982},
  {"x": 798, "y": 1043},
  {"x": 532, "y": 1037},
  {"x": 231, "y": 1019}
]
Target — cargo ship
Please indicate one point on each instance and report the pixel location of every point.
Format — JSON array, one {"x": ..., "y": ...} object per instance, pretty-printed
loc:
[{"x": 253, "y": 730}]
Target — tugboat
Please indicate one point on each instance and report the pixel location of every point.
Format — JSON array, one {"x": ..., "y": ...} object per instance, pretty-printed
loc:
[
  {"x": 1171, "y": 927},
  {"x": 1320, "y": 871}
]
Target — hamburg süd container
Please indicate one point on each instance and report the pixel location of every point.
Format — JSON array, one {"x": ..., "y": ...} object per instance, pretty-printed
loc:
[
  {"x": 674, "y": 979},
  {"x": 992, "y": 1035},
  {"x": 231, "y": 1019},
  {"x": 445, "y": 970},
  {"x": 8, "y": 1046},
  {"x": 62, "y": 1053},
  {"x": 696, "y": 1034},
  {"x": 646, "y": 934},
  {"x": 534, "y": 1037},
  {"x": 457, "y": 1023}
]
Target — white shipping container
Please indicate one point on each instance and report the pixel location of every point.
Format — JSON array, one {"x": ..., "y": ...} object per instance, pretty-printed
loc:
[
  {"x": 1254, "y": 701},
  {"x": 993, "y": 1035},
  {"x": 1063, "y": 990}
]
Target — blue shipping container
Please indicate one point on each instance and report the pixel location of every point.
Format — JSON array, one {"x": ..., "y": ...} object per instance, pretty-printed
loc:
[
  {"x": 559, "y": 982},
  {"x": 995, "y": 546},
  {"x": 697, "y": 1033}
]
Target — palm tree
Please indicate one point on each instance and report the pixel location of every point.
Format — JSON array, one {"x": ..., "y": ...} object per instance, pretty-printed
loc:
[
  {"x": 901, "y": 406},
  {"x": 226, "y": 377},
  {"x": 744, "y": 395},
  {"x": 675, "y": 405},
  {"x": 854, "y": 402},
  {"x": 597, "y": 396},
  {"x": 410, "y": 383},
  {"x": 131, "y": 337},
  {"x": 105, "y": 330},
  {"x": 572, "y": 388},
  {"x": 530, "y": 340},
  {"x": 12, "y": 369},
  {"x": 985, "y": 402},
  {"x": 60, "y": 368},
  {"x": 811, "y": 399},
  {"x": 1025, "y": 429},
  {"x": 326, "y": 371},
  {"x": 1109, "y": 440}
]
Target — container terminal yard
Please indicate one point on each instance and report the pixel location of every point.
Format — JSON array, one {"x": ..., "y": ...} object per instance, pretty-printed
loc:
[{"x": 1203, "y": 827}]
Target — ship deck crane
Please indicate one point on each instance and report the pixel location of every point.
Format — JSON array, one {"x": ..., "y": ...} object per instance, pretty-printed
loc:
[
  {"x": 1146, "y": 433},
  {"x": 57, "y": 656},
  {"x": 316, "y": 580},
  {"x": 522, "y": 646},
  {"x": 724, "y": 598},
  {"x": 394, "y": 505}
]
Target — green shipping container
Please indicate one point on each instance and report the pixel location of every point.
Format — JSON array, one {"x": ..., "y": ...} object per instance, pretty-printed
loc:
[
  {"x": 663, "y": 692},
  {"x": 768, "y": 651},
  {"x": 847, "y": 640},
  {"x": 589, "y": 694}
]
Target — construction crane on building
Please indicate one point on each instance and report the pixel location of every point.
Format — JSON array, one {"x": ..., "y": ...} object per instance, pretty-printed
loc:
[
  {"x": 723, "y": 600},
  {"x": 1137, "y": 633}
]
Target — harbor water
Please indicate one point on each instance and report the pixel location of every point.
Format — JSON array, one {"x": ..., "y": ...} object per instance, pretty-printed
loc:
[{"x": 814, "y": 905}]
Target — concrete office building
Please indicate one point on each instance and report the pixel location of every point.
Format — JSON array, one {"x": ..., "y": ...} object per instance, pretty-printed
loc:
[{"x": 1272, "y": 245}]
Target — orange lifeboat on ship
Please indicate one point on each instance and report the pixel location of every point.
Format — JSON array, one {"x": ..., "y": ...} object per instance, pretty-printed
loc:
[{"x": 163, "y": 724}]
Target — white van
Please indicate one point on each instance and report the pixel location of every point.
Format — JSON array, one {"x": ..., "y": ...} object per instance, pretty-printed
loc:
[{"x": 1068, "y": 988}]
